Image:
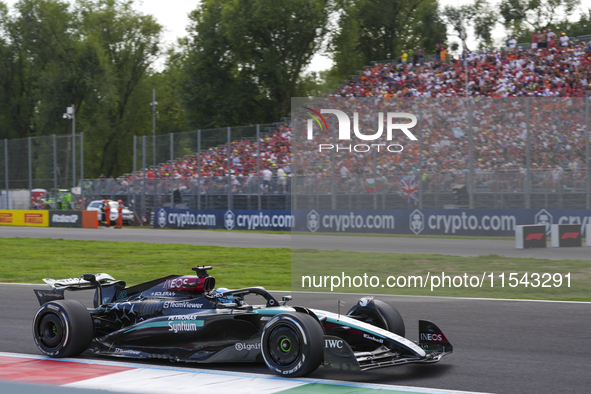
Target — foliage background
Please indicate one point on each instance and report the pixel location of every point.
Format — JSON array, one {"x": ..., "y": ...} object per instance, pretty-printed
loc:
[{"x": 240, "y": 62}]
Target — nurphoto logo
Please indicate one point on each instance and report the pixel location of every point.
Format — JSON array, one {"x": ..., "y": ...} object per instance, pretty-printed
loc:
[{"x": 344, "y": 126}]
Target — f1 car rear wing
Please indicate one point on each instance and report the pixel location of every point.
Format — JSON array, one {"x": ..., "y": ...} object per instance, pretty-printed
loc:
[
  {"x": 78, "y": 282},
  {"x": 85, "y": 282}
]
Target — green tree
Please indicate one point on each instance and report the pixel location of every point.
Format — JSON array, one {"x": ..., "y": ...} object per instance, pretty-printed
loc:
[
  {"x": 126, "y": 44},
  {"x": 478, "y": 17},
  {"x": 529, "y": 15},
  {"x": 374, "y": 30},
  {"x": 96, "y": 55},
  {"x": 36, "y": 50},
  {"x": 581, "y": 27},
  {"x": 245, "y": 58}
]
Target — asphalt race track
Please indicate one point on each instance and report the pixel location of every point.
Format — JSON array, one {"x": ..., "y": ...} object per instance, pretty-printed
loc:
[
  {"x": 454, "y": 247},
  {"x": 499, "y": 346}
]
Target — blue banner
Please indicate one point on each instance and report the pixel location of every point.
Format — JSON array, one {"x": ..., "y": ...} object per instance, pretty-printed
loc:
[
  {"x": 487, "y": 222},
  {"x": 278, "y": 220}
]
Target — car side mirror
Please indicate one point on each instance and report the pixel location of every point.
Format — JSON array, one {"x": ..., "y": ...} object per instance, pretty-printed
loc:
[
  {"x": 286, "y": 298},
  {"x": 89, "y": 278}
]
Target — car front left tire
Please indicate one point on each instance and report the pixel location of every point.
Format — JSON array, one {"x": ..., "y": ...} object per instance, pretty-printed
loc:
[{"x": 292, "y": 344}]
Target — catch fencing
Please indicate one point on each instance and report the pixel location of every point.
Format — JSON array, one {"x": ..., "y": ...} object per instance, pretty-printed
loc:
[
  {"x": 505, "y": 153},
  {"x": 49, "y": 162}
]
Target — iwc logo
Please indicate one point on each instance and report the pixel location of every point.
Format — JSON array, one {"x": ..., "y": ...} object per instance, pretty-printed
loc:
[
  {"x": 416, "y": 221},
  {"x": 162, "y": 217},
  {"x": 544, "y": 217},
  {"x": 229, "y": 220},
  {"x": 313, "y": 221}
]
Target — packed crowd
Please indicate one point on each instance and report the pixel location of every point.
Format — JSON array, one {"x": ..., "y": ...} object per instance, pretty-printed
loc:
[
  {"x": 556, "y": 71},
  {"x": 555, "y": 77}
]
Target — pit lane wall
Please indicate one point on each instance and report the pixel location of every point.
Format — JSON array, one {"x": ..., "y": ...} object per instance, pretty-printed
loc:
[{"x": 483, "y": 222}]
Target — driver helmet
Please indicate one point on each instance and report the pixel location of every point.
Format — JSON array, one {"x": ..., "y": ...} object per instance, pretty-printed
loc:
[{"x": 224, "y": 300}]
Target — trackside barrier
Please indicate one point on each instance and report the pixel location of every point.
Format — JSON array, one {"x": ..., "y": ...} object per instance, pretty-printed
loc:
[
  {"x": 530, "y": 236},
  {"x": 279, "y": 220},
  {"x": 24, "y": 218},
  {"x": 81, "y": 219},
  {"x": 65, "y": 218},
  {"x": 566, "y": 235},
  {"x": 89, "y": 219},
  {"x": 479, "y": 222},
  {"x": 482, "y": 222},
  {"x": 587, "y": 232},
  {"x": 40, "y": 218}
]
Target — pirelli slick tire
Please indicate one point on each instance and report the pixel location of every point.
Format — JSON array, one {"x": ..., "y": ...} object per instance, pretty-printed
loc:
[
  {"x": 292, "y": 344},
  {"x": 379, "y": 314},
  {"x": 63, "y": 328}
]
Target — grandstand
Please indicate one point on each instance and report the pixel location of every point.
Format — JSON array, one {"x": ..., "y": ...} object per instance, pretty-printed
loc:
[{"x": 538, "y": 107}]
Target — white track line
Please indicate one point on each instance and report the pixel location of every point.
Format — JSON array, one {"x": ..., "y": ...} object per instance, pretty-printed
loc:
[{"x": 227, "y": 374}]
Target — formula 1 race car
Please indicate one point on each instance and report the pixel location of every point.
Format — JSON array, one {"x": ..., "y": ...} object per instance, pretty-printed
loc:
[{"x": 184, "y": 318}]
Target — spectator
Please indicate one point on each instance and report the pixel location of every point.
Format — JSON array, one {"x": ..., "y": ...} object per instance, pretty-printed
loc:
[
  {"x": 551, "y": 35},
  {"x": 267, "y": 177},
  {"x": 512, "y": 44},
  {"x": 281, "y": 179},
  {"x": 534, "y": 40},
  {"x": 542, "y": 40},
  {"x": 563, "y": 40},
  {"x": 421, "y": 56},
  {"x": 403, "y": 57}
]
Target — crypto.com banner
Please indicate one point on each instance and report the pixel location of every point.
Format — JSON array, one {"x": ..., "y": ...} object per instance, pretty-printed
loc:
[
  {"x": 483, "y": 222},
  {"x": 210, "y": 219}
]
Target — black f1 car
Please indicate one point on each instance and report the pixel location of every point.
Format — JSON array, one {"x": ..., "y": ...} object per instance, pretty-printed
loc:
[{"x": 184, "y": 318}]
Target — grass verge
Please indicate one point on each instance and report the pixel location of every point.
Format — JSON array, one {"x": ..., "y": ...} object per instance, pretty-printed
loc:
[
  {"x": 29, "y": 260},
  {"x": 434, "y": 269}
]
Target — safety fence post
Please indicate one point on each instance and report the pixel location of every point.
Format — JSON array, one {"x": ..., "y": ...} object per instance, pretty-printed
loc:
[
  {"x": 171, "y": 175},
  {"x": 144, "y": 183},
  {"x": 527, "y": 153},
  {"x": 228, "y": 155},
  {"x": 198, "y": 169},
  {"x": 6, "y": 172},
  {"x": 258, "y": 177}
]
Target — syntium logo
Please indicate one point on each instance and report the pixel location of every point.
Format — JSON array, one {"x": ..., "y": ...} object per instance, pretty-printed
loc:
[{"x": 344, "y": 125}]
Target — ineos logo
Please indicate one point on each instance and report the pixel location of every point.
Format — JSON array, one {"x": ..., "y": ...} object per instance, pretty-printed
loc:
[{"x": 432, "y": 337}]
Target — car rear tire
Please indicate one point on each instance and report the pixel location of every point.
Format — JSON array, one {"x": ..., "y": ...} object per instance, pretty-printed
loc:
[
  {"x": 63, "y": 328},
  {"x": 292, "y": 344},
  {"x": 382, "y": 315}
]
